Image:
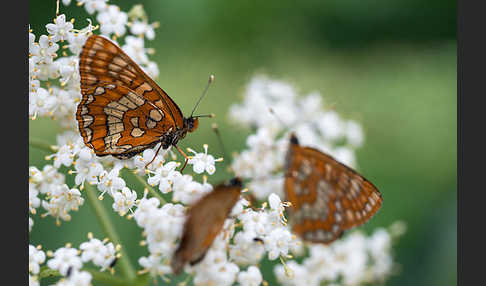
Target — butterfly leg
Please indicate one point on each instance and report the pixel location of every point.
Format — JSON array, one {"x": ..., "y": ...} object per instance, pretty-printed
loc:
[
  {"x": 183, "y": 154},
  {"x": 156, "y": 153}
]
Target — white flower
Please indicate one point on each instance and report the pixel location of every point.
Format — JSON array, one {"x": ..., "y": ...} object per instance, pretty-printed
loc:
[
  {"x": 87, "y": 171},
  {"x": 354, "y": 133},
  {"x": 134, "y": 47},
  {"x": 146, "y": 210},
  {"x": 45, "y": 50},
  {"x": 61, "y": 29},
  {"x": 254, "y": 221},
  {"x": 351, "y": 257},
  {"x": 36, "y": 257},
  {"x": 151, "y": 69},
  {"x": 239, "y": 207},
  {"x": 92, "y": 6},
  {"x": 31, "y": 40},
  {"x": 64, "y": 258},
  {"x": 294, "y": 274},
  {"x": 246, "y": 248},
  {"x": 76, "y": 42},
  {"x": 251, "y": 277},
  {"x": 41, "y": 102},
  {"x": 203, "y": 162},
  {"x": 154, "y": 265},
  {"x": 124, "y": 201},
  {"x": 275, "y": 202},
  {"x": 77, "y": 278},
  {"x": 143, "y": 28},
  {"x": 161, "y": 236},
  {"x": 62, "y": 201},
  {"x": 111, "y": 182},
  {"x": 112, "y": 21},
  {"x": 188, "y": 191},
  {"x": 223, "y": 274},
  {"x": 164, "y": 176},
  {"x": 34, "y": 201},
  {"x": 33, "y": 280},
  {"x": 97, "y": 251},
  {"x": 51, "y": 179},
  {"x": 31, "y": 223},
  {"x": 277, "y": 243}
]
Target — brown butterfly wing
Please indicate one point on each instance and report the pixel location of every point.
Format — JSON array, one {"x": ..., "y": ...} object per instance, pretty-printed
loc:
[
  {"x": 112, "y": 84},
  {"x": 204, "y": 222},
  {"x": 115, "y": 120},
  {"x": 327, "y": 197}
]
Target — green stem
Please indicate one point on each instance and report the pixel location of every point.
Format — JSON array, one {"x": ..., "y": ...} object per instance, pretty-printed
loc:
[
  {"x": 107, "y": 278},
  {"x": 150, "y": 189},
  {"x": 39, "y": 144},
  {"x": 105, "y": 221}
]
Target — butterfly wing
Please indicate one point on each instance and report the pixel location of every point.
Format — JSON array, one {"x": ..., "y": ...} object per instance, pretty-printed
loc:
[
  {"x": 204, "y": 222},
  {"x": 122, "y": 110},
  {"x": 327, "y": 197}
]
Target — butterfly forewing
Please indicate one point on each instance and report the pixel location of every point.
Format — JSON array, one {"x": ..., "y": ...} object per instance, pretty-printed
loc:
[
  {"x": 122, "y": 111},
  {"x": 204, "y": 221},
  {"x": 327, "y": 197}
]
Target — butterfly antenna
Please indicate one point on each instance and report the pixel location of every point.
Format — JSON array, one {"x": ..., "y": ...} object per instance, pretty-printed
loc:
[
  {"x": 216, "y": 130},
  {"x": 211, "y": 79}
]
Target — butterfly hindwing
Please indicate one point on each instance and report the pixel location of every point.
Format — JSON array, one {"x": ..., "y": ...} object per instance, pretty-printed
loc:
[
  {"x": 122, "y": 111},
  {"x": 327, "y": 197},
  {"x": 204, "y": 221},
  {"x": 115, "y": 120}
]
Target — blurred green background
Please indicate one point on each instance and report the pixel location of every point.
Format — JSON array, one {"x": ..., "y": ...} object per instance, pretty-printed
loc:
[{"x": 389, "y": 64}]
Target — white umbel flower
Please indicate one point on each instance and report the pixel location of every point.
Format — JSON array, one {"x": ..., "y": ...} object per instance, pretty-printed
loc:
[
  {"x": 251, "y": 277},
  {"x": 36, "y": 257},
  {"x": 61, "y": 29},
  {"x": 124, "y": 201},
  {"x": 77, "y": 278},
  {"x": 112, "y": 21},
  {"x": 203, "y": 161},
  {"x": 99, "y": 252},
  {"x": 65, "y": 258},
  {"x": 92, "y": 6},
  {"x": 164, "y": 176}
]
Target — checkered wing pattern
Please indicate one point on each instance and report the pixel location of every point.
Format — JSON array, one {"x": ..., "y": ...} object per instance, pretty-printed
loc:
[
  {"x": 327, "y": 197},
  {"x": 122, "y": 110}
]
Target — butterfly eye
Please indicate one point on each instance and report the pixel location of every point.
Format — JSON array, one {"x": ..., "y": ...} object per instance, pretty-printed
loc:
[{"x": 193, "y": 123}]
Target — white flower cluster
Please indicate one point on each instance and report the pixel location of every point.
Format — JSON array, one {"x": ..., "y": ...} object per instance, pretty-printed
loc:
[
  {"x": 272, "y": 108},
  {"x": 354, "y": 260},
  {"x": 68, "y": 261},
  {"x": 160, "y": 237}
]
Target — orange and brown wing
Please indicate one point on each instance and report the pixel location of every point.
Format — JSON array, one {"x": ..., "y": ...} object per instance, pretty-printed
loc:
[
  {"x": 204, "y": 222},
  {"x": 115, "y": 120},
  {"x": 113, "y": 85},
  {"x": 327, "y": 197}
]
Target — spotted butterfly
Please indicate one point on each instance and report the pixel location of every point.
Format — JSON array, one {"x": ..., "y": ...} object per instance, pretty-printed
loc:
[
  {"x": 123, "y": 111},
  {"x": 204, "y": 221},
  {"x": 327, "y": 197}
]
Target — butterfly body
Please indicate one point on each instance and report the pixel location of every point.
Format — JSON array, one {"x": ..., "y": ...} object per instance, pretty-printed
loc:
[
  {"x": 123, "y": 111},
  {"x": 204, "y": 221},
  {"x": 327, "y": 197}
]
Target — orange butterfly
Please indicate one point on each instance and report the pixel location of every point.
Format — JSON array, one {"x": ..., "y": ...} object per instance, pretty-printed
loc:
[
  {"x": 204, "y": 222},
  {"x": 123, "y": 111},
  {"x": 327, "y": 197}
]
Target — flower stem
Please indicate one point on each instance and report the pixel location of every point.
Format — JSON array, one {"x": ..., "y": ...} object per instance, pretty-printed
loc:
[
  {"x": 108, "y": 227},
  {"x": 39, "y": 144},
  {"x": 107, "y": 278}
]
